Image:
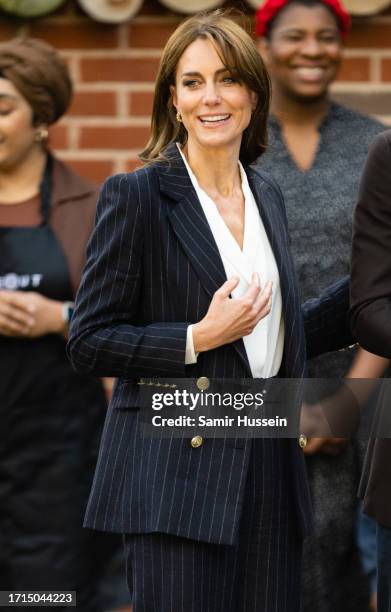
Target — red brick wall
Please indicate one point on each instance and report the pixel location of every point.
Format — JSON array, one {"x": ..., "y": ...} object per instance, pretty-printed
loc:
[
  {"x": 113, "y": 68},
  {"x": 365, "y": 78}
]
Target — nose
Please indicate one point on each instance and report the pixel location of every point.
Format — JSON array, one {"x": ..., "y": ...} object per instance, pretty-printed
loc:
[
  {"x": 211, "y": 95},
  {"x": 311, "y": 47}
]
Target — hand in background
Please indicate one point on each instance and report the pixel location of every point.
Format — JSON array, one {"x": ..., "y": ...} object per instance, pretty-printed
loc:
[
  {"x": 326, "y": 446},
  {"x": 27, "y": 314},
  {"x": 313, "y": 423}
]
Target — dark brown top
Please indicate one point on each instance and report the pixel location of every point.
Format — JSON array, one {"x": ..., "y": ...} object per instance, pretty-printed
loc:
[
  {"x": 72, "y": 215},
  {"x": 21, "y": 214}
]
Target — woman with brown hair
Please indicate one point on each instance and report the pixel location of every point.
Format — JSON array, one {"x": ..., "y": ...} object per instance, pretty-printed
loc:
[
  {"x": 211, "y": 524},
  {"x": 51, "y": 417}
]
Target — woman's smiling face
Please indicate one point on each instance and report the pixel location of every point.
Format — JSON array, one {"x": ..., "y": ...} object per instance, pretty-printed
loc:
[
  {"x": 215, "y": 107},
  {"x": 304, "y": 51}
]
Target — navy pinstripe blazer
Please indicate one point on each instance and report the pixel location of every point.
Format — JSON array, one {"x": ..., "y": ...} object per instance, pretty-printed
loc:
[{"x": 152, "y": 269}]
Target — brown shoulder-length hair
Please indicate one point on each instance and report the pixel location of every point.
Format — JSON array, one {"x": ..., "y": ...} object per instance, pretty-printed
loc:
[{"x": 239, "y": 54}]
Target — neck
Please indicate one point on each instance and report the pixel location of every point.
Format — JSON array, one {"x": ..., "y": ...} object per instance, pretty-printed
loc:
[
  {"x": 22, "y": 180},
  {"x": 217, "y": 170},
  {"x": 292, "y": 110}
]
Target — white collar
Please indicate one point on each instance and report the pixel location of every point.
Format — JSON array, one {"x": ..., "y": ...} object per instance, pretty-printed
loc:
[{"x": 242, "y": 260}]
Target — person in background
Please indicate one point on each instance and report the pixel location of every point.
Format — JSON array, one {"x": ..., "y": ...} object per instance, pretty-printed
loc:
[
  {"x": 51, "y": 418},
  {"x": 371, "y": 316},
  {"x": 316, "y": 153}
]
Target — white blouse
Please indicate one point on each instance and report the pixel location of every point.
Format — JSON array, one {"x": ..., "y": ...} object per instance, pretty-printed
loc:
[{"x": 265, "y": 345}]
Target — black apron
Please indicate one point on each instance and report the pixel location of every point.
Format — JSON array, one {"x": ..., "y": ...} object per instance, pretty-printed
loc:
[{"x": 51, "y": 422}]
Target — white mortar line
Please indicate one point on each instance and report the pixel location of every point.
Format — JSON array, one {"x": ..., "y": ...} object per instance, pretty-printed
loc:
[
  {"x": 117, "y": 53},
  {"x": 105, "y": 121}
]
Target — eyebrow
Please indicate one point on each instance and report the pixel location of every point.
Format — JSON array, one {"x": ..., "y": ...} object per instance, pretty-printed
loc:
[
  {"x": 5, "y": 96},
  {"x": 293, "y": 29},
  {"x": 194, "y": 73}
]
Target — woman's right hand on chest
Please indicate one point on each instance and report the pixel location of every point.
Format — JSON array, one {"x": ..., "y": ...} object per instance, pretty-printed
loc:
[{"x": 229, "y": 319}]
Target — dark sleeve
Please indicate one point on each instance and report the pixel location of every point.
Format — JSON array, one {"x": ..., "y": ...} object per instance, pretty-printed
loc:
[
  {"x": 371, "y": 253},
  {"x": 326, "y": 320},
  {"x": 105, "y": 337}
]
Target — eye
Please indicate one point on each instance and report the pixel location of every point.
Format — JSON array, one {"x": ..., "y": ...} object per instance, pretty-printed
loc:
[
  {"x": 6, "y": 110},
  {"x": 229, "y": 79},
  {"x": 191, "y": 83},
  {"x": 292, "y": 37},
  {"x": 329, "y": 38}
]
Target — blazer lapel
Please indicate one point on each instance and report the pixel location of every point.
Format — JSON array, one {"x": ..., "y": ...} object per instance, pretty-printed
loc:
[
  {"x": 191, "y": 227},
  {"x": 266, "y": 208},
  {"x": 291, "y": 308}
]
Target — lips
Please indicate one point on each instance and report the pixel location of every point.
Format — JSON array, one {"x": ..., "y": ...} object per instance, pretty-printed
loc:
[{"x": 214, "y": 119}]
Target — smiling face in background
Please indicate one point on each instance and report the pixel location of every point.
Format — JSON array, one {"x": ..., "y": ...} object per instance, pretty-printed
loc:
[
  {"x": 215, "y": 107},
  {"x": 17, "y": 132},
  {"x": 303, "y": 52}
]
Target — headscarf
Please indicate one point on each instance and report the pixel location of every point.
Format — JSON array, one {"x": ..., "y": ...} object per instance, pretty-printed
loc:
[
  {"x": 38, "y": 73},
  {"x": 271, "y": 8}
]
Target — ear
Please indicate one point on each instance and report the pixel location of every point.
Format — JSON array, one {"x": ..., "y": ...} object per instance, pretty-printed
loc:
[
  {"x": 174, "y": 96},
  {"x": 264, "y": 49},
  {"x": 254, "y": 100}
]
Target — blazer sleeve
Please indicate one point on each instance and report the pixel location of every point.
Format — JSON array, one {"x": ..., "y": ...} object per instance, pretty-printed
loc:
[
  {"x": 371, "y": 253},
  {"x": 326, "y": 320},
  {"x": 105, "y": 338}
]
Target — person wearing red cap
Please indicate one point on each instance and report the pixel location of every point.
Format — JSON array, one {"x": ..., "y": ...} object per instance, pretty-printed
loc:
[{"x": 317, "y": 149}]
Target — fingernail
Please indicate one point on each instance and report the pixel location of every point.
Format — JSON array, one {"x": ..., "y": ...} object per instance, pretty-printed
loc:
[
  {"x": 31, "y": 308},
  {"x": 30, "y": 322}
]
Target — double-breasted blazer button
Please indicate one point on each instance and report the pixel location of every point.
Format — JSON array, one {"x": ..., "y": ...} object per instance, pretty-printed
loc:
[
  {"x": 302, "y": 441},
  {"x": 203, "y": 383},
  {"x": 197, "y": 441}
]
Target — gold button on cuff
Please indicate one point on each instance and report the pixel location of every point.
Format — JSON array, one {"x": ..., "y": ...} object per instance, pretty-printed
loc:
[
  {"x": 203, "y": 383},
  {"x": 302, "y": 441},
  {"x": 197, "y": 441}
]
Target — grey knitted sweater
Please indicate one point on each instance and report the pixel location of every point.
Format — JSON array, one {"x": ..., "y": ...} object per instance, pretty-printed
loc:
[{"x": 320, "y": 204}]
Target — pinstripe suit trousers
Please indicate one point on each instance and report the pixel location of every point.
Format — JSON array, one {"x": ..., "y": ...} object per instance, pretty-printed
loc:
[{"x": 167, "y": 573}]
